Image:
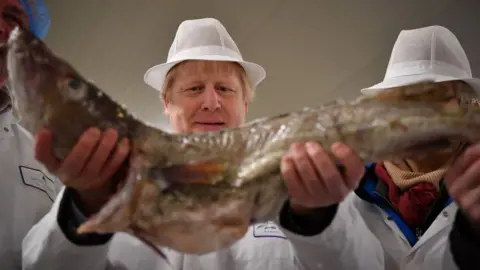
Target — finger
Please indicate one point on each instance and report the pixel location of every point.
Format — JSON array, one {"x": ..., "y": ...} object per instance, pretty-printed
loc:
[
  {"x": 470, "y": 200},
  {"x": 75, "y": 161},
  {"x": 99, "y": 158},
  {"x": 353, "y": 166},
  {"x": 475, "y": 215},
  {"x": 43, "y": 150},
  {"x": 292, "y": 179},
  {"x": 305, "y": 168},
  {"x": 331, "y": 178},
  {"x": 118, "y": 158},
  {"x": 463, "y": 162},
  {"x": 463, "y": 183}
]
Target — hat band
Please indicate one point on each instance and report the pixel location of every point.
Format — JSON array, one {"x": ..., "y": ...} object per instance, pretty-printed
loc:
[
  {"x": 198, "y": 52},
  {"x": 425, "y": 67}
]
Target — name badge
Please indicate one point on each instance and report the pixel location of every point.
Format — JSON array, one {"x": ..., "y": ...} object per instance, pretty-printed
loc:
[
  {"x": 269, "y": 229},
  {"x": 37, "y": 179}
]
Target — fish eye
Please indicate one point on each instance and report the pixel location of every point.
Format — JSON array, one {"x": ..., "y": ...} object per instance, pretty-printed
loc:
[{"x": 75, "y": 83}]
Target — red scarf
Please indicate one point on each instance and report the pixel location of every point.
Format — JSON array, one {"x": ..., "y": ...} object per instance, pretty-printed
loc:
[{"x": 412, "y": 204}]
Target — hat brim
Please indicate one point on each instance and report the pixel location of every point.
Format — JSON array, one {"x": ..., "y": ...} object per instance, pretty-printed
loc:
[
  {"x": 413, "y": 79},
  {"x": 155, "y": 76}
]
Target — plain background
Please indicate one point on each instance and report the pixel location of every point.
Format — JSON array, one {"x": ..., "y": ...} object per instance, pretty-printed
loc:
[{"x": 314, "y": 51}]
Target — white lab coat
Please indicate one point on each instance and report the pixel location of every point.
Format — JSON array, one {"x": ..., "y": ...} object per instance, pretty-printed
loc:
[
  {"x": 361, "y": 236},
  {"x": 345, "y": 244},
  {"x": 432, "y": 251},
  {"x": 27, "y": 190}
]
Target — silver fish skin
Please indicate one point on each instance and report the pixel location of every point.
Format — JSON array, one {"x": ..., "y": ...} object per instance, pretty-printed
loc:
[{"x": 199, "y": 192}]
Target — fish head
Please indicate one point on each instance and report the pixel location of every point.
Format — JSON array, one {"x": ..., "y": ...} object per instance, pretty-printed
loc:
[
  {"x": 38, "y": 81},
  {"x": 48, "y": 92}
]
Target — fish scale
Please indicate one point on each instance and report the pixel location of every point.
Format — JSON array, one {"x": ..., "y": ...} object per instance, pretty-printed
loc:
[{"x": 199, "y": 192}]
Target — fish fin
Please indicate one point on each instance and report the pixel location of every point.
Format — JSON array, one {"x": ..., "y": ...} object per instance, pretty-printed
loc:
[
  {"x": 117, "y": 213},
  {"x": 258, "y": 166},
  {"x": 205, "y": 172},
  {"x": 113, "y": 217},
  {"x": 155, "y": 249}
]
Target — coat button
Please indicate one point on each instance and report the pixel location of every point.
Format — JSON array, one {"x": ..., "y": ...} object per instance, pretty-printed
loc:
[
  {"x": 445, "y": 213},
  {"x": 6, "y": 129},
  {"x": 389, "y": 218}
]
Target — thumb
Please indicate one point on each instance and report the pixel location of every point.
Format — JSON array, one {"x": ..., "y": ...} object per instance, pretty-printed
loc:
[{"x": 43, "y": 150}]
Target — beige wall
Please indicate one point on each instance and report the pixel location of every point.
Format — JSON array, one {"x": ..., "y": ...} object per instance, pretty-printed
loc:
[{"x": 313, "y": 50}]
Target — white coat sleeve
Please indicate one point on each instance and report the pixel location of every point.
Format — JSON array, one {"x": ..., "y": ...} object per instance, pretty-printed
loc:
[
  {"x": 463, "y": 247},
  {"x": 46, "y": 245},
  {"x": 346, "y": 243}
]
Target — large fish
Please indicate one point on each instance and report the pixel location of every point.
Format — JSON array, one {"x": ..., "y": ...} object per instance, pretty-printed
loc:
[{"x": 197, "y": 193}]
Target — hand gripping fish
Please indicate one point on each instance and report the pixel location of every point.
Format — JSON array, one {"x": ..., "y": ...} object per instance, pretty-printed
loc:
[{"x": 199, "y": 192}]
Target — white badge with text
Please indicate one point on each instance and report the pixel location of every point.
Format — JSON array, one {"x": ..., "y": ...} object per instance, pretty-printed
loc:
[
  {"x": 269, "y": 229},
  {"x": 37, "y": 179}
]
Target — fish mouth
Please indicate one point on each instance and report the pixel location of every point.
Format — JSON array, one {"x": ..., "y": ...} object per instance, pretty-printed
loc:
[
  {"x": 440, "y": 143},
  {"x": 20, "y": 47},
  {"x": 424, "y": 147},
  {"x": 24, "y": 60}
]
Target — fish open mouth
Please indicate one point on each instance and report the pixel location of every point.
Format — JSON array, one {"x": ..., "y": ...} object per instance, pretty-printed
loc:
[
  {"x": 435, "y": 144},
  {"x": 431, "y": 145}
]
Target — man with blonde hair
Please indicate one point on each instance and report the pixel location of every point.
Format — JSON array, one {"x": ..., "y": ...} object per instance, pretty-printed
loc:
[{"x": 206, "y": 85}]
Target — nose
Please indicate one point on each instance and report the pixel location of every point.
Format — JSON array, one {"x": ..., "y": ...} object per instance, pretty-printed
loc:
[{"x": 211, "y": 100}]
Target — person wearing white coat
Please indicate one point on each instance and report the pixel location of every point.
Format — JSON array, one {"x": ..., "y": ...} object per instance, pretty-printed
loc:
[
  {"x": 210, "y": 94},
  {"x": 410, "y": 205},
  {"x": 359, "y": 233},
  {"x": 27, "y": 190}
]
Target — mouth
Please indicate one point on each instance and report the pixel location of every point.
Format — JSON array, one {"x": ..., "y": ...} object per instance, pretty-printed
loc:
[
  {"x": 435, "y": 144},
  {"x": 211, "y": 123},
  {"x": 428, "y": 147},
  {"x": 207, "y": 126}
]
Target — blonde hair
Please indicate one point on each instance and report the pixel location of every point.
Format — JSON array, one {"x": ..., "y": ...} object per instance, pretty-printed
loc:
[{"x": 211, "y": 67}]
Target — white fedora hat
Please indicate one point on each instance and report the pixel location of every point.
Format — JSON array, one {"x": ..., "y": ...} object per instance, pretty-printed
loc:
[
  {"x": 430, "y": 53},
  {"x": 202, "y": 39}
]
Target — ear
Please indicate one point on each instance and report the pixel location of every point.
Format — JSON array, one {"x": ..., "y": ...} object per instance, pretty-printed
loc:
[{"x": 165, "y": 105}]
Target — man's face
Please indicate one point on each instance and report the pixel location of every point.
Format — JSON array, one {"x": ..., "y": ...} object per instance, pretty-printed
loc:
[
  {"x": 12, "y": 15},
  {"x": 206, "y": 96}
]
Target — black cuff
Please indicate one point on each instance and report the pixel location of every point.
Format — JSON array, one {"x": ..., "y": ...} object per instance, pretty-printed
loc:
[
  {"x": 310, "y": 224},
  {"x": 465, "y": 243},
  {"x": 67, "y": 224}
]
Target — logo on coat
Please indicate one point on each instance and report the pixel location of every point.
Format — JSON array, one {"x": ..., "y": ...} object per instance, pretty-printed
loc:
[
  {"x": 37, "y": 179},
  {"x": 268, "y": 229}
]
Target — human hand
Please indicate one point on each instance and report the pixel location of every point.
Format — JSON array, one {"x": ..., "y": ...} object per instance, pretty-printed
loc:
[
  {"x": 463, "y": 183},
  {"x": 89, "y": 166},
  {"x": 313, "y": 180}
]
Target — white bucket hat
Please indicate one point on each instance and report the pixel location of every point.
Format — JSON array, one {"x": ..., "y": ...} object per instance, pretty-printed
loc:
[
  {"x": 430, "y": 53},
  {"x": 202, "y": 39}
]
